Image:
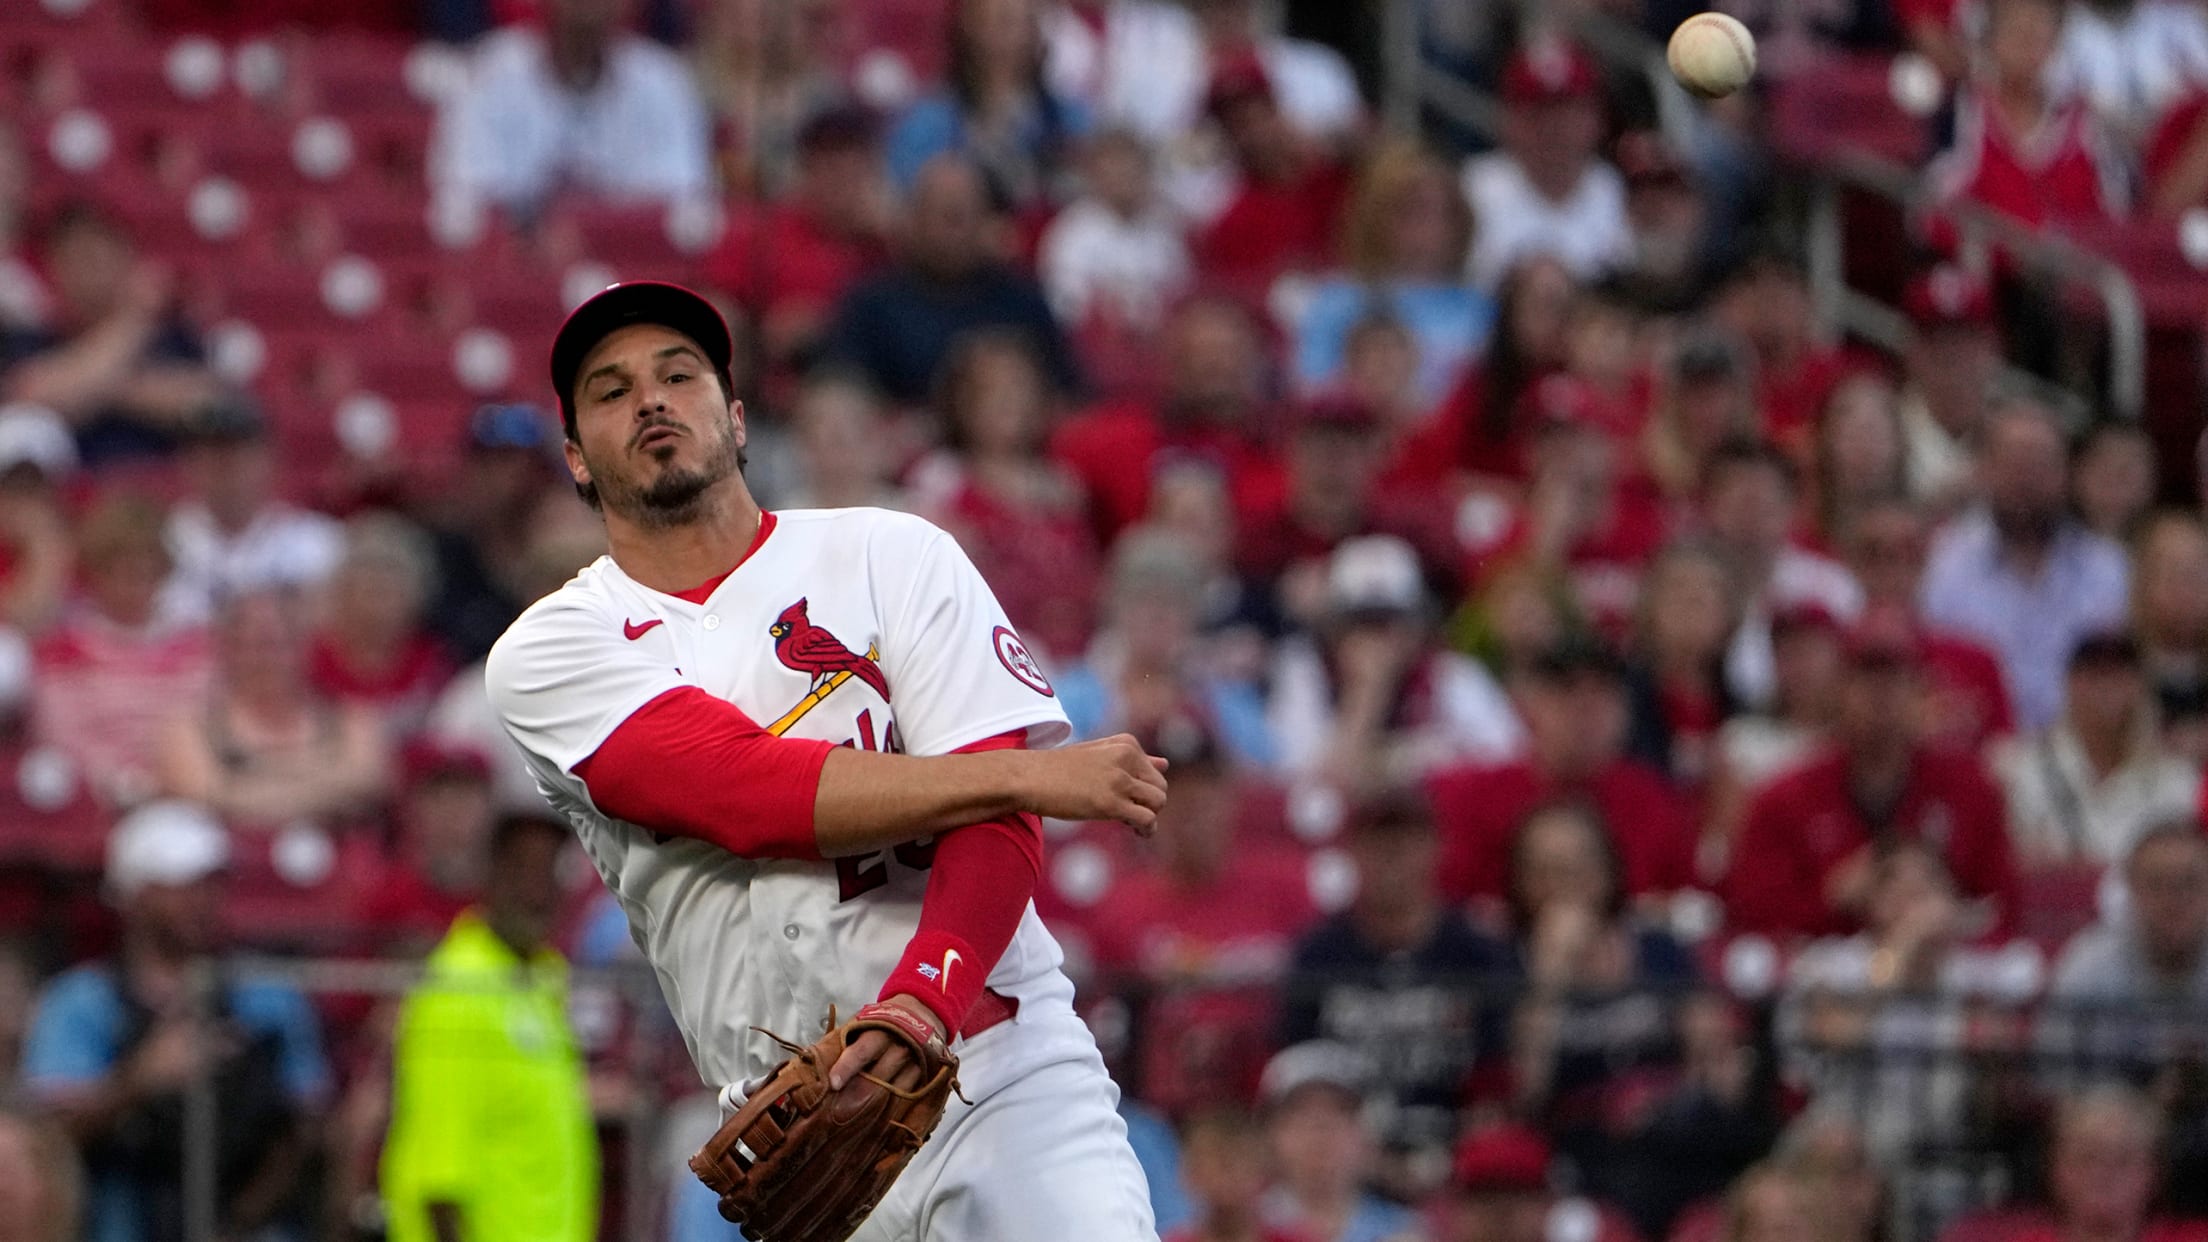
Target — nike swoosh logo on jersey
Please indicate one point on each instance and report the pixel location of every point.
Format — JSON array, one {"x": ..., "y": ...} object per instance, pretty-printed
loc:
[
  {"x": 632, "y": 631},
  {"x": 949, "y": 956}
]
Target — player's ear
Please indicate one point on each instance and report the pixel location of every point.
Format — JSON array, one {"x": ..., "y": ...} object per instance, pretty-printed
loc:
[
  {"x": 576, "y": 466},
  {"x": 736, "y": 416}
]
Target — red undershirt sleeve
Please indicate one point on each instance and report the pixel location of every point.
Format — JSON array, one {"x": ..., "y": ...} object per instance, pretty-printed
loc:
[
  {"x": 978, "y": 890},
  {"x": 691, "y": 765}
]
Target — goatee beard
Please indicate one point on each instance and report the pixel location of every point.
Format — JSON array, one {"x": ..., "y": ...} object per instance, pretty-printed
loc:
[{"x": 674, "y": 500}]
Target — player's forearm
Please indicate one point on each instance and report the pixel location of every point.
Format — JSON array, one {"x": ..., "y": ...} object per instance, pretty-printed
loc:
[{"x": 868, "y": 800}]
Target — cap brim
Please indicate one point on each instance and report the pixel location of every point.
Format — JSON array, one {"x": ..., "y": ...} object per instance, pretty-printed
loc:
[{"x": 632, "y": 302}]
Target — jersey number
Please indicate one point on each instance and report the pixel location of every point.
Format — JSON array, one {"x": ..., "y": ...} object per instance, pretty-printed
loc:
[{"x": 863, "y": 873}]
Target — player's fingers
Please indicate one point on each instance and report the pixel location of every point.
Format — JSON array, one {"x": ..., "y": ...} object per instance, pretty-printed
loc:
[{"x": 857, "y": 1055}]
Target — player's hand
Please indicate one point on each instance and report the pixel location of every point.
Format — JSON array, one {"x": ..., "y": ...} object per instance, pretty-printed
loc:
[
  {"x": 874, "y": 1052},
  {"x": 1107, "y": 779}
]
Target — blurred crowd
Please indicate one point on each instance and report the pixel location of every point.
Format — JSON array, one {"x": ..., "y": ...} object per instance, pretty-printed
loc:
[{"x": 1643, "y": 765}]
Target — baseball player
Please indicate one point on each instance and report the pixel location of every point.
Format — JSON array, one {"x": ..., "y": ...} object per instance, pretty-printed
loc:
[{"x": 730, "y": 707}]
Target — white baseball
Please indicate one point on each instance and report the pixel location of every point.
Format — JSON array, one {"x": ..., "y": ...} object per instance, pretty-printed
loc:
[{"x": 1712, "y": 55}]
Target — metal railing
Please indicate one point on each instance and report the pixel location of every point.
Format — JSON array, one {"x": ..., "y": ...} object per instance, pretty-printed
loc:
[{"x": 1412, "y": 85}]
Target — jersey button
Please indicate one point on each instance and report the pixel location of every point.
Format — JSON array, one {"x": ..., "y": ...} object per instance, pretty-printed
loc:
[
  {"x": 789, "y": 931},
  {"x": 713, "y": 621}
]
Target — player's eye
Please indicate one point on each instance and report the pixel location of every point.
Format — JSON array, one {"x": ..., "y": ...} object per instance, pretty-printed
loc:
[
  {"x": 678, "y": 377},
  {"x": 612, "y": 394}
]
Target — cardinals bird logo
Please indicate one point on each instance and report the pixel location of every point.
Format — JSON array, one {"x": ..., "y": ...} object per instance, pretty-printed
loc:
[{"x": 811, "y": 650}]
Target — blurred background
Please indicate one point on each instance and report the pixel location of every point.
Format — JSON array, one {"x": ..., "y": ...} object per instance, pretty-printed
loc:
[{"x": 1681, "y": 627}]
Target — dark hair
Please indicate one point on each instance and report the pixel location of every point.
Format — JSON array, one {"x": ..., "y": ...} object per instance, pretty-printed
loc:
[
  {"x": 2103, "y": 431},
  {"x": 1392, "y": 810},
  {"x": 79, "y": 215},
  {"x": 1588, "y": 816},
  {"x": 1508, "y": 372},
  {"x": 1749, "y": 453},
  {"x": 514, "y": 825},
  {"x": 964, "y": 74},
  {"x": 954, "y": 379}
]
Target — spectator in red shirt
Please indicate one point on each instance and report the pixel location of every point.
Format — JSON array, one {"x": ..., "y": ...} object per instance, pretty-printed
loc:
[
  {"x": 1573, "y": 703},
  {"x": 1803, "y": 864},
  {"x": 1286, "y": 209},
  {"x": 1019, "y": 515},
  {"x": 1766, "y": 303},
  {"x": 1212, "y": 406},
  {"x": 790, "y": 260},
  {"x": 371, "y": 649},
  {"x": 2018, "y": 148},
  {"x": 434, "y": 869},
  {"x": 106, "y": 679},
  {"x": 1481, "y": 432},
  {"x": 1966, "y": 695}
]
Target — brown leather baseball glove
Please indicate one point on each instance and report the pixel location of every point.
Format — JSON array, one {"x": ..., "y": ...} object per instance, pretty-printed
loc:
[{"x": 800, "y": 1162}]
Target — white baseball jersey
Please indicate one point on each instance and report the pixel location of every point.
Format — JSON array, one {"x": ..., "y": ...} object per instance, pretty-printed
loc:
[{"x": 738, "y": 941}]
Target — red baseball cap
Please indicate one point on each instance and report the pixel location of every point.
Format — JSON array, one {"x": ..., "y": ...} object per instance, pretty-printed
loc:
[
  {"x": 1505, "y": 1157},
  {"x": 1238, "y": 78},
  {"x": 1948, "y": 296},
  {"x": 636, "y": 301},
  {"x": 1550, "y": 69}
]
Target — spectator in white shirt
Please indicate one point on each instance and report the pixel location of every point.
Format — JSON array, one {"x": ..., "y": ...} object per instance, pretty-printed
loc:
[
  {"x": 1749, "y": 492},
  {"x": 580, "y": 105},
  {"x": 1114, "y": 257},
  {"x": 1953, "y": 357},
  {"x": 2130, "y": 58},
  {"x": 2086, "y": 787},
  {"x": 231, "y": 534},
  {"x": 1548, "y": 190}
]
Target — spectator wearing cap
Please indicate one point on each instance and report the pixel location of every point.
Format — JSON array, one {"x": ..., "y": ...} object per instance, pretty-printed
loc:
[
  {"x": 1802, "y": 865},
  {"x": 577, "y": 105},
  {"x": 1113, "y": 261},
  {"x": 1406, "y": 236},
  {"x": 897, "y": 326},
  {"x": 2019, "y": 572},
  {"x": 1313, "y": 1096},
  {"x": 1705, "y": 397},
  {"x": 1285, "y": 210},
  {"x": 1483, "y": 431},
  {"x": 1151, "y": 660},
  {"x": 1205, "y": 925},
  {"x": 1677, "y": 675},
  {"x": 232, "y": 532},
  {"x": 1765, "y": 304},
  {"x": 434, "y": 868},
  {"x": 998, "y": 108},
  {"x": 1500, "y": 1190},
  {"x": 1223, "y": 1165},
  {"x": 265, "y": 748},
  {"x": 2112, "y": 478},
  {"x": 1018, "y": 514},
  {"x": 1548, "y": 190},
  {"x": 764, "y": 71},
  {"x": 1749, "y": 502},
  {"x": 1371, "y": 701},
  {"x": 1573, "y": 702},
  {"x": 1334, "y": 491},
  {"x": 481, "y": 524},
  {"x": 1405, "y": 980},
  {"x": 41, "y": 1182},
  {"x": 38, "y": 463},
  {"x": 2084, "y": 788},
  {"x": 106, "y": 679},
  {"x": 1212, "y": 407},
  {"x": 371, "y": 648},
  {"x": 1885, "y": 545},
  {"x": 2022, "y": 146},
  {"x": 113, "y": 358},
  {"x": 1858, "y": 453},
  {"x": 117, "y": 1041},
  {"x": 787, "y": 261},
  {"x": 1950, "y": 366}
]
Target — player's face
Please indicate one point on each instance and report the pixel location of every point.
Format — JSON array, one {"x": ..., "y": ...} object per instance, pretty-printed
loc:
[{"x": 654, "y": 431}]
